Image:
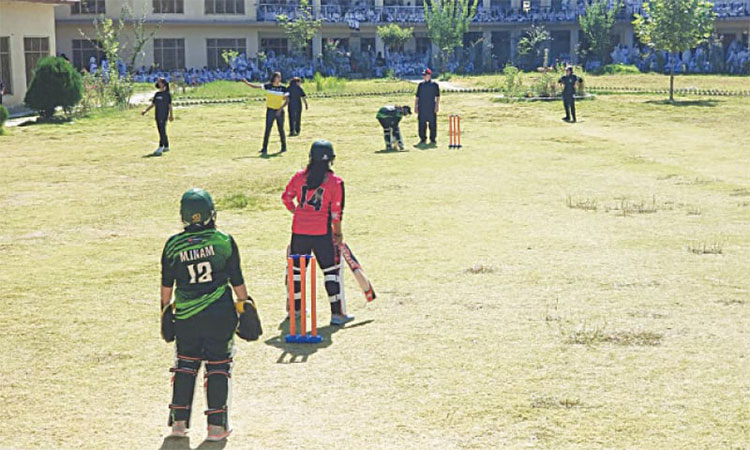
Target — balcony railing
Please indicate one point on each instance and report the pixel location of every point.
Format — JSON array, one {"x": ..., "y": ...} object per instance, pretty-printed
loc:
[{"x": 568, "y": 12}]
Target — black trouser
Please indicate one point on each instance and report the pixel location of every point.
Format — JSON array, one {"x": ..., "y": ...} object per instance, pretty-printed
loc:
[
  {"x": 161, "y": 125},
  {"x": 391, "y": 131},
  {"x": 207, "y": 336},
  {"x": 322, "y": 247},
  {"x": 295, "y": 118},
  {"x": 424, "y": 119},
  {"x": 569, "y": 101},
  {"x": 279, "y": 119}
]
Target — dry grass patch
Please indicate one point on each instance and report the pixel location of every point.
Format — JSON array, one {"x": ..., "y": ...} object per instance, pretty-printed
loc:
[
  {"x": 586, "y": 204},
  {"x": 550, "y": 402},
  {"x": 706, "y": 248},
  {"x": 478, "y": 269}
]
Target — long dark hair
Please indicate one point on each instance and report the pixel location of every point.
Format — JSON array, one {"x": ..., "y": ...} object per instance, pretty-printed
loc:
[
  {"x": 164, "y": 83},
  {"x": 316, "y": 172}
]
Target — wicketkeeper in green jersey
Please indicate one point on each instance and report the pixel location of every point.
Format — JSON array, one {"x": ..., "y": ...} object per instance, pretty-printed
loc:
[{"x": 203, "y": 263}]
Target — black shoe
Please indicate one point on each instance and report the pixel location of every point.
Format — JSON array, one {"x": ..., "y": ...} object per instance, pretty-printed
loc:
[
  {"x": 433, "y": 142},
  {"x": 283, "y": 150},
  {"x": 263, "y": 151},
  {"x": 567, "y": 119},
  {"x": 422, "y": 142},
  {"x": 574, "y": 120}
]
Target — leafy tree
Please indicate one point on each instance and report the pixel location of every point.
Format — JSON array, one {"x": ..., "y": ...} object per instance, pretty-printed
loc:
[
  {"x": 301, "y": 29},
  {"x": 447, "y": 21},
  {"x": 394, "y": 36},
  {"x": 674, "y": 26},
  {"x": 55, "y": 83},
  {"x": 141, "y": 35},
  {"x": 596, "y": 25},
  {"x": 534, "y": 43}
]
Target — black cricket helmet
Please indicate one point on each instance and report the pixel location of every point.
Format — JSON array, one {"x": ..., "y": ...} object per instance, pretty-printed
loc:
[
  {"x": 197, "y": 208},
  {"x": 322, "y": 150}
]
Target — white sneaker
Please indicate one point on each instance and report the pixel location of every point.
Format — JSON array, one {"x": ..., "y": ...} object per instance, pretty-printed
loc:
[
  {"x": 179, "y": 429},
  {"x": 217, "y": 433},
  {"x": 158, "y": 151}
]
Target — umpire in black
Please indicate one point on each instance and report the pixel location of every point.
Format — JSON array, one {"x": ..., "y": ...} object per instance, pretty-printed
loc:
[
  {"x": 427, "y": 105},
  {"x": 569, "y": 81}
]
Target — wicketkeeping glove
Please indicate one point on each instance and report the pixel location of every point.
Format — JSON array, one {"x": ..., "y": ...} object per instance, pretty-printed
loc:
[
  {"x": 167, "y": 322},
  {"x": 249, "y": 327}
]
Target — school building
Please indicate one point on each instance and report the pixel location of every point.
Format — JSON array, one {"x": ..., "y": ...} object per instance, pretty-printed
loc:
[{"x": 27, "y": 34}]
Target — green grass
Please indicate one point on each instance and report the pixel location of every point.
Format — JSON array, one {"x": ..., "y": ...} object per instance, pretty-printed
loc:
[
  {"x": 232, "y": 89},
  {"x": 648, "y": 81},
  {"x": 511, "y": 312}
]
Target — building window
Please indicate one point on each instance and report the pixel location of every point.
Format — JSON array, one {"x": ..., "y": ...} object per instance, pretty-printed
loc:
[
  {"x": 279, "y": 46},
  {"x": 367, "y": 45},
  {"x": 169, "y": 54},
  {"x": 225, "y": 6},
  {"x": 424, "y": 46},
  {"x": 88, "y": 7},
  {"x": 34, "y": 49},
  {"x": 169, "y": 6},
  {"x": 5, "y": 65},
  {"x": 84, "y": 50},
  {"x": 216, "y": 47}
]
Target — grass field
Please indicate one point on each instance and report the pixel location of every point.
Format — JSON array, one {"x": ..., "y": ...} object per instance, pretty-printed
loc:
[
  {"x": 232, "y": 89},
  {"x": 645, "y": 81},
  {"x": 549, "y": 285}
]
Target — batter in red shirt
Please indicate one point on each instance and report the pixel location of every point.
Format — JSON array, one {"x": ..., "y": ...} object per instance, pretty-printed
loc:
[{"x": 316, "y": 198}]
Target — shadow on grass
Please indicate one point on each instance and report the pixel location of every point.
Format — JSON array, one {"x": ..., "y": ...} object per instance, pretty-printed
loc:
[
  {"x": 386, "y": 151},
  {"x": 298, "y": 353},
  {"x": 707, "y": 103},
  {"x": 183, "y": 443},
  {"x": 54, "y": 120}
]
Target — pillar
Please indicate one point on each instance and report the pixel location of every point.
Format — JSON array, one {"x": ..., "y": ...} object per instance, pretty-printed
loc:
[
  {"x": 316, "y": 8},
  {"x": 379, "y": 46},
  {"x": 487, "y": 50},
  {"x": 317, "y": 44},
  {"x": 627, "y": 38},
  {"x": 515, "y": 5},
  {"x": 515, "y": 36},
  {"x": 486, "y": 5},
  {"x": 574, "y": 46}
]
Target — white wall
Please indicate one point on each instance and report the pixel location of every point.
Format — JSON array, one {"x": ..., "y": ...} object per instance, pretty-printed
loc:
[{"x": 20, "y": 19}]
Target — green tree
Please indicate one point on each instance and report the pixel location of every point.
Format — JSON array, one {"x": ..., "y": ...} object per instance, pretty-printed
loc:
[
  {"x": 534, "y": 43},
  {"x": 394, "y": 36},
  {"x": 674, "y": 26},
  {"x": 55, "y": 83},
  {"x": 596, "y": 25},
  {"x": 447, "y": 21},
  {"x": 301, "y": 29}
]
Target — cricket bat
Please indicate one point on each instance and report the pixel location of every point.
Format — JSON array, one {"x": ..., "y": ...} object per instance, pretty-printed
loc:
[{"x": 359, "y": 273}]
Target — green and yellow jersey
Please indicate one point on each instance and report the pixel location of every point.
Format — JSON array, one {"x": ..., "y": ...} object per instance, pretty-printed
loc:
[
  {"x": 202, "y": 263},
  {"x": 389, "y": 112}
]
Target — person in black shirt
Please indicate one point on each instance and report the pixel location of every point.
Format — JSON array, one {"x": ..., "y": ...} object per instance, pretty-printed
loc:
[
  {"x": 277, "y": 97},
  {"x": 427, "y": 105},
  {"x": 162, "y": 101},
  {"x": 2, "y": 91},
  {"x": 569, "y": 81},
  {"x": 296, "y": 98}
]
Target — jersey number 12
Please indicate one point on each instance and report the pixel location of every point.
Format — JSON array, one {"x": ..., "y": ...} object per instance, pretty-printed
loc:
[{"x": 200, "y": 273}]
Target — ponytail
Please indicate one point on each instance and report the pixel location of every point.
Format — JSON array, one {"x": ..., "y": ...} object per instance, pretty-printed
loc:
[{"x": 316, "y": 172}]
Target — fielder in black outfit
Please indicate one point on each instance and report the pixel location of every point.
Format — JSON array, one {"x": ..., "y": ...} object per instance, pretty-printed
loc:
[
  {"x": 569, "y": 81},
  {"x": 296, "y": 98},
  {"x": 427, "y": 105},
  {"x": 162, "y": 102}
]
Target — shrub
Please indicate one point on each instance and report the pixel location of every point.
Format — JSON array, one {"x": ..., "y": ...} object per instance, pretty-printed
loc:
[
  {"x": 513, "y": 82},
  {"x": 55, "y": 83},
  {"x": 3, "y": 117},
  {"x": 328, "y": 84},
  {"x": 614, "y": 69}
]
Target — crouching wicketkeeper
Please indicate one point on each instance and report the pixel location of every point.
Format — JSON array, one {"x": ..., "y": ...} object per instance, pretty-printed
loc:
[
  {"x": 389, "y": 117},
  {"x": 203, "y": 318}
]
